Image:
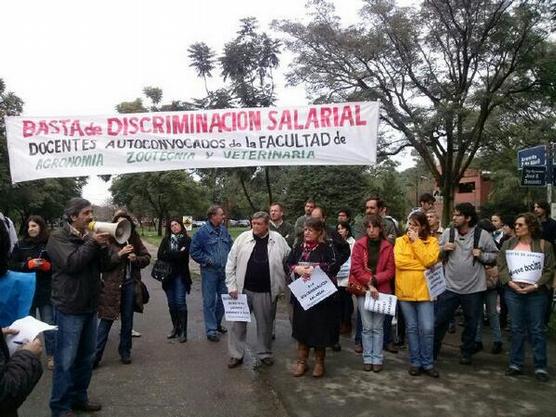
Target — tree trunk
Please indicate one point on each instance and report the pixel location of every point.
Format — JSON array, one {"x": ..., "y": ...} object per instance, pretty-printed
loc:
[
  {"x": 448, "y": 189},
  {"x": 268, "y": 187},
  {"x": 159, "y": 227},
  {"x": 244, "y": 188}
]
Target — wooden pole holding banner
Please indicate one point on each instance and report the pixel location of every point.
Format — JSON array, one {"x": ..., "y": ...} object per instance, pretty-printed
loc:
[{"x": 550, "y": 175}]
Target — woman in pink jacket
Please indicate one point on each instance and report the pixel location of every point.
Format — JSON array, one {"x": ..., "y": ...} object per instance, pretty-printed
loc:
[{"x": 372, "y": 265}]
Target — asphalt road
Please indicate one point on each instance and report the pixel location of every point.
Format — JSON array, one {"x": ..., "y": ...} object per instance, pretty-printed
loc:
[{"x": 168, "y": 379}]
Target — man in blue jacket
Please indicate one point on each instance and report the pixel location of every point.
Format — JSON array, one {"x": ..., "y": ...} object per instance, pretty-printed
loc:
[{"x": 209, "y": 248}]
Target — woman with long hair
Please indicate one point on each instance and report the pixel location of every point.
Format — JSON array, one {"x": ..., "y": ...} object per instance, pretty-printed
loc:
[
  {"x": 29, "y": 255},
  {"x": 117, "y": 294},
  {"x": 345, "y": 300},
  {"x": 174, "y": 249},
  {"x": 372, "y": 265},
  {"x": 526, "y": 297},
  {"x": 318, "y": 326},
  {"x": 414, "y": 252}
]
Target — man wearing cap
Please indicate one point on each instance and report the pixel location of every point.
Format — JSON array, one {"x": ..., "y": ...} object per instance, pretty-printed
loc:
[{"x": 76, "y": 256}]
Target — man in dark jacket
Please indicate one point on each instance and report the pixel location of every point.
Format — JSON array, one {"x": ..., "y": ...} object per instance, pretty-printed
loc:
[
  {"x": 76, "y": 256},
  {"x": 18, "y": 374}
]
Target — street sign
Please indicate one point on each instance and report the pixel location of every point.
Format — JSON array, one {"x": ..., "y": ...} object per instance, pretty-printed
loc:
[
  {"x": 533, "y": 176},
  {"x": 535, "y": 156}
]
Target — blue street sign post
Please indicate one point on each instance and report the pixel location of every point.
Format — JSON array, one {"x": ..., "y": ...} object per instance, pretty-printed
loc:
[
  {"x": 535, "y": 156},
  {"x": 537, "y": 168},
  {"x": 533, "y": 176}
]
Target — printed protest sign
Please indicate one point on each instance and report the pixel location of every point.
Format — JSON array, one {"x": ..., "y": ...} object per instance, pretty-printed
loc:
[
  {"x": 525, "y": 266},
  {"x": 384, "y": 304},
  {"x": 314, "y": 290},
  {"x": 435, "y": 280},
  {"x": 70, "y": 146},
  {"x": 236, "y": 309}
]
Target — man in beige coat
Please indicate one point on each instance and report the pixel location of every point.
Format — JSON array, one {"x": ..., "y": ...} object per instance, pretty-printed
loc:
[{"x": 255, "y": 268}]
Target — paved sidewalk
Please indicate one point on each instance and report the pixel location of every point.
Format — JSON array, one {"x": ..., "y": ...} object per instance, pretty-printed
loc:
[{"x": 169, "y": 379}]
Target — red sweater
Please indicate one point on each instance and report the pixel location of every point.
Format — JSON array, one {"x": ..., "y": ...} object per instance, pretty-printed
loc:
[{"x": 385, "y": 268}]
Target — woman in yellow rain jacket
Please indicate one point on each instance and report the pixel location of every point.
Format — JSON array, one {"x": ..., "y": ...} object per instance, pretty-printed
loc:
[{"x": 414, "y": 252}]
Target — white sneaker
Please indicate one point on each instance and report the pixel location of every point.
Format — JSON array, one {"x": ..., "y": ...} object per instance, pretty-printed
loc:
[{"x": 135, "y": 334}]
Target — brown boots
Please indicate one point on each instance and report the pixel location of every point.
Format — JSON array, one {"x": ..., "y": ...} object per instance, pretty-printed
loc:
[
  {"x": 301, "y": 367},
  {"x": 318, "y": 371}
]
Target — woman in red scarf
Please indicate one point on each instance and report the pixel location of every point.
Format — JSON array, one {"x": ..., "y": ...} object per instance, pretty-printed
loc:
[{"x": 317, "y": 327}]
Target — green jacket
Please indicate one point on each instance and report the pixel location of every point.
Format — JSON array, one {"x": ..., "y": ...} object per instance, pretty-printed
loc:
[{"x": 548, "y": 269}]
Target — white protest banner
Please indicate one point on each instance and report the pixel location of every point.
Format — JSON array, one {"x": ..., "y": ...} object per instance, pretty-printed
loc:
[
  {"x": 70, "y": 146},
  {"x": 525, "y": 266},
  {"x": 435, "y": 280},
  {"x": 384, "y": 304},
  {"x": 314, "y": 290},
  {"x": 236, "y": 309}
]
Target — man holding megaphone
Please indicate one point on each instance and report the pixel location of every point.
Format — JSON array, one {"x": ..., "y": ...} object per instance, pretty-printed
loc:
[{"x": 77, "y": 256}]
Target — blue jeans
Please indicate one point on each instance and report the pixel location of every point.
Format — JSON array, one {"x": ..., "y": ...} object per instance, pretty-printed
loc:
[
  {"x": 491, "y": 297},
  {"x": 528, "y": 313},
  {"x": 73, "y": 359},
  {"x": 419, "y": 327},
  {"x": 46, "y": 313},
  {"x": 372, "y": 334},
  {"x": 358, "y": 328},
  {"x": 127, "y": 305},
  {"x": 213, "y": 284},
  {"x": 175, "y": 294},
  {"x": 445, "y": 307}
]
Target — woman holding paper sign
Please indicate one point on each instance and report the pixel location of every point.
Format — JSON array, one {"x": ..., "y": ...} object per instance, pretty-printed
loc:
[
  {"x": 29, "y": 255},
  {"x": 525, "y": 292},
  {"x": 414, "y": 252},
  {"x": 372, "y": 265},
  {"x": 317, "y": 327}
]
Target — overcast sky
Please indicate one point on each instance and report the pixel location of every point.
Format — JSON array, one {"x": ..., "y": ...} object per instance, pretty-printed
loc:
[{"x": 78, "y": 58}]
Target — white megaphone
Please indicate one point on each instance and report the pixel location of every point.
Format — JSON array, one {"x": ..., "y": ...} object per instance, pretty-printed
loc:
[{"x": 120, "y": 231}]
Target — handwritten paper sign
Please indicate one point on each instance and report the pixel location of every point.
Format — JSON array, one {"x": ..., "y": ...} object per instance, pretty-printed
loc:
[
  {"x": 314, "y": 290},
  {"x": 384, "y": 304},
  {"x": 525, "y": 266},
  {"x": 435, "y": 280},
  {"x": 236, "y": 309}
]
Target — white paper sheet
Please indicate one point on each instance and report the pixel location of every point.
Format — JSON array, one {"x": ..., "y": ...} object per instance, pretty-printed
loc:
[
  {"x": 385, "y": 304},
  {"x": 29, "y": 328},
  {"x": 236, "y": 309},
  {"x": 314, "y": 290}
]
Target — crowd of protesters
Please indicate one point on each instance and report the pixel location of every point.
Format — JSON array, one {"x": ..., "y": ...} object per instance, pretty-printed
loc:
[{"x": 86, "y": 280}]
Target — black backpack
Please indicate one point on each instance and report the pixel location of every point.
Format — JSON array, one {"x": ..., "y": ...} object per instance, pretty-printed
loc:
[{"x": 476, "y": 238}]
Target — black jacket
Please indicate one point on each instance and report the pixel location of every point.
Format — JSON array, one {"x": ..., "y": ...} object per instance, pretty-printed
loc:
[
  {"x": 179, "y": 259},
  {"x": 18, "y": 376},
  {"x": 28, "y": 249},
  {"x": 76, "y": 266}
]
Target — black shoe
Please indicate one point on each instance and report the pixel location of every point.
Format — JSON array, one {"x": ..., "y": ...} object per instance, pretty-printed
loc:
[
  {"x": 126, "y": 360},
  {"x": 465, "y": 360},
  {"x": 414, "y": 371},
  {"x": 542, "y": 376},
  {"x": 234, "y": 362},
  {"x": 477, "y": 347},
  {"x": 221, "y": 329},
  {"x": 496, "y": 348},
  {"x": 213, "y": 338},
  {"x": 391, "y": 347},
  {"x": 182, "y": 320},
  {"x": 513, "y": 372},
  {"x": 267, "y": 361},
  {"x": 88, "y": 406},
  {"x": 432, "y": 372},
  {"x": 336, "y": 347}
]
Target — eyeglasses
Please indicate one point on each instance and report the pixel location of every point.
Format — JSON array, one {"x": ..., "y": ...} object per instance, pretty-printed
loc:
[{"x": 519, "y": 224}]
